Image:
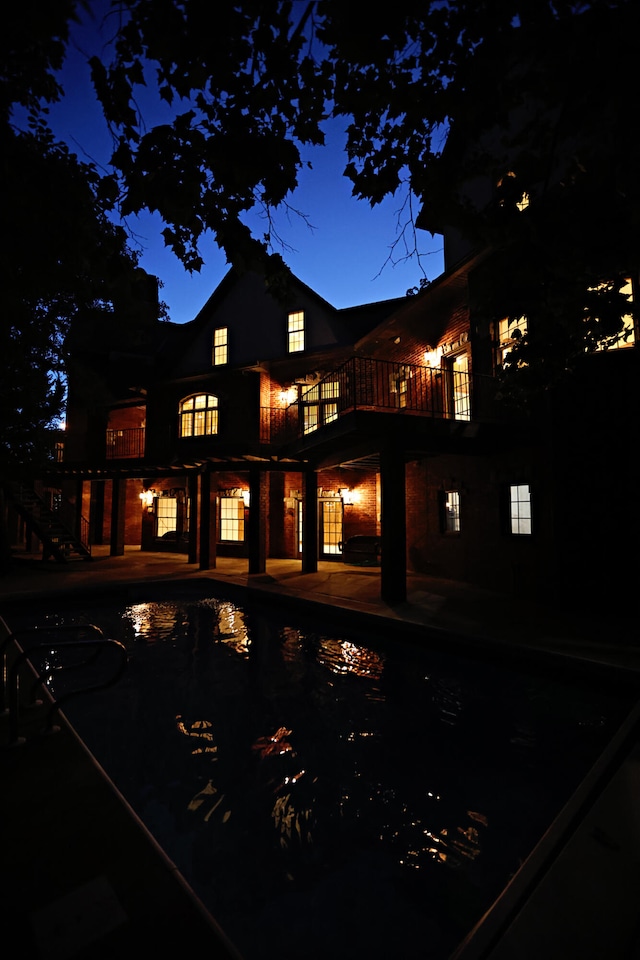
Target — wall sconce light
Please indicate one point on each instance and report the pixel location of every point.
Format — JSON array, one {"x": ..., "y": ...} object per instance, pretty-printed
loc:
[
  {"x": 246, "y": 496},
  {"x": 349, "y": 497},
  {"x": 146, "y": 498},
  {"x": 288, "y": 395},
  {"x": 432, "y": 356}
]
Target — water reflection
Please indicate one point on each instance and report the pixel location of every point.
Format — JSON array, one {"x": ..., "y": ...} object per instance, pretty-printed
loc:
[
  {"x": 232, "y": 629},
  {"x": 343, "y": 656},
  {"x": 155, "y": 622},
  {"x": 307, "y": 775}
]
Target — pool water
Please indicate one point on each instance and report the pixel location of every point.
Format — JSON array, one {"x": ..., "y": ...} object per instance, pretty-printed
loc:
[{"x": 326, "y": 793}]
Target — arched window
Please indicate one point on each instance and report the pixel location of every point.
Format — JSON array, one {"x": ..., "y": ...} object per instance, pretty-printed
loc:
[{"x": 198, "y": 415}]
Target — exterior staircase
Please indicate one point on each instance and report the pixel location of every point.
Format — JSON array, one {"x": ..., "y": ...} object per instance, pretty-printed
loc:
[{"x": 58, "y": 540}]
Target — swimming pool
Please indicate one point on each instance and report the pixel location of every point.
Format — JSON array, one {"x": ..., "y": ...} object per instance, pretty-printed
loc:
[{"x": 326, "y": 792}]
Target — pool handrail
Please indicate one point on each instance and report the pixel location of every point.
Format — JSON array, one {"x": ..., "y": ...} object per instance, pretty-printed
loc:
[{"x": 97, "y": 645}]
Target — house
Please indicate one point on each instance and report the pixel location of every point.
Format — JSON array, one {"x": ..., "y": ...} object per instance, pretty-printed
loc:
[
  {"x": 274, "y": 425},
  {"x": 279, "y": 426}
]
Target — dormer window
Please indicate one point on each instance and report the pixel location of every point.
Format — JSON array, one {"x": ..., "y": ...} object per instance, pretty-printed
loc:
[
  {"x": 219, "y": 351},
  {"x": 198, "y": 415},
  {"x": 295, "y": 331}
]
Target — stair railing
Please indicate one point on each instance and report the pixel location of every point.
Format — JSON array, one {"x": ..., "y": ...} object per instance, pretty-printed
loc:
[{"x": 92, "y": 642}]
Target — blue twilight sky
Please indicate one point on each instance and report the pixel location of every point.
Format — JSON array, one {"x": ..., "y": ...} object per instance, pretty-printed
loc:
[{"x": 346, "y": 257}]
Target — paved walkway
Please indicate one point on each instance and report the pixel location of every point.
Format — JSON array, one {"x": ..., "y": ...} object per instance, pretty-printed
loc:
[
  {"x": 442, "y": 606},
  {"x": 68, "y": 840}
]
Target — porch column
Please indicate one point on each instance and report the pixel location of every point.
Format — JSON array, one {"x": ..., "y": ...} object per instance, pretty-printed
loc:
[
  {"x": 310, "y": 522},
  {"x": 77, "y": 518},
  {"x": 118, "y": 516},
  {"x": 205, "y": 520},
  {"x": 96, "y": 510},
  {"x": 257, "y": 521},
  {"x": 393, "y": 566},
  {"x": 194, "y": 516}
]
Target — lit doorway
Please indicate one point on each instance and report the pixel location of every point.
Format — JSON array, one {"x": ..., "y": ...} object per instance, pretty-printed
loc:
[{"x": 331, "y": 514}]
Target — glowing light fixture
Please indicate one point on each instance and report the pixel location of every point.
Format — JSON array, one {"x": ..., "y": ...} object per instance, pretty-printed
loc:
[
  {"x": 288, "y": 395},
  {"x": 432, "y": 356},
  {"x": 146, "y": 498},
  {"x": 349, "y": 497}
]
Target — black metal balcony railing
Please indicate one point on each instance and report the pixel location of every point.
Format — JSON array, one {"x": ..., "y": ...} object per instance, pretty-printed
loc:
[
  {"x": 124, "y": 444},
  {"x": 362, "y": 383}
]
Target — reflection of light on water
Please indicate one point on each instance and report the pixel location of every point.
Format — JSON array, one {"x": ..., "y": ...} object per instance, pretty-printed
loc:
[
  {"x": 275, "y": 745},
  {"x": 359, "y": 773},
  {"x": 447, "y": 846},
  {"x": 291, "y": 643},
  {"x": 291, "y": 823},
  {"x": 200, "y": 730},
  {"x": 153, "y": 621},
  {"x": 204, "y": 796},
  {"x": 446, "y": 696},
  {"x": 232, "y": 629},
  {"x": 343, "y": 656}
]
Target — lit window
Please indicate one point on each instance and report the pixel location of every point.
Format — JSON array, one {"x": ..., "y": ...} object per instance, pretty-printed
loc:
[
  {"x": 199, "y": 415},
  {"x": 520, "y": 509},
  {"x": 329, "y": 392},
  {"x": 457, "y": 386},
  {"x": 295, "y": 331},
  {"x": 232, "y": 518},
  {"x": 220, "y": 346},
  {"x": 450, "y": 511},
  {"x": 166, "y": 516},
  {"x": 510, "y": 193},
  {"x": 329, "y": 412},
  {"x": 627, "y": 336},
  {"x": 399, "y": 384},
  {"x": 319, "y": 404},
  {"x": 330, "y": 389},
  {"x": 311, "y": 414},
  {"x": 510, "y": 331}
]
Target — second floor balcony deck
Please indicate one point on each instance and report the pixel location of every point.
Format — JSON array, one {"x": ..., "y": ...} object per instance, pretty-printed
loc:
[
  {"x": 384, "y": 387},
  {"x": 361, "y": 386},
  {"x": 125, "y": 444}
]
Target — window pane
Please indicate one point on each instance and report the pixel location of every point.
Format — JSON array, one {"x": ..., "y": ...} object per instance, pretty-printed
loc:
[
  {"x": 509, "y": 332},
  {"x": 295, "y": 327},
  {"x": 232, "y": 518},
  {"x": 198, "y": 423},
  {"x": 331, "y": 526},
  {"x": 520, "y": 509},
  {"x": 627, "y": 335},
  {"x": 311, "y": 418},
  {"x": 220, "y": 342},
  {"x": 452, "y": 511},
  {"x": 461, "y": 392},
  {"x": 311, "y": 395},
  {"x": 166, "y": 515},
  {"x": 199, "y": 415},
  {"x": 330, "y": 389},
  {"x": 329, "y": 412}
]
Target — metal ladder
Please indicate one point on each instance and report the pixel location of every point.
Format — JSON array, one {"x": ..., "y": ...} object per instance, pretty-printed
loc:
[{"x": 22, "y": 653}]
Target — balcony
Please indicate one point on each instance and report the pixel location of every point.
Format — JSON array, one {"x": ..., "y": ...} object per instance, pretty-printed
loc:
[
  {"x": 385, "y": 387},
  {"x": 125, "y": 444}
]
